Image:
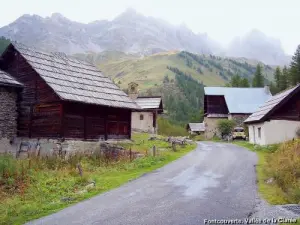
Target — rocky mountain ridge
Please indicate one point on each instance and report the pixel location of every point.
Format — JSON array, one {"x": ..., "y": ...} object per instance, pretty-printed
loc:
[{"x": 134, "y": 33}]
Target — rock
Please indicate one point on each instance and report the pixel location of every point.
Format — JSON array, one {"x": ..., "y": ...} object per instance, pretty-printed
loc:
[
  {"x": 270, "y": 180},
  {"x": 67, "y": 199},
  {"x": 81, "y": 192},
  {"x": 91, "y": 185}
]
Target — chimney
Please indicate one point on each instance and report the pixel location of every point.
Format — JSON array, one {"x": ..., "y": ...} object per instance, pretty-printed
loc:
[
  {"x": 133, "y": 90},
  {"x": 267, "y": 89}
]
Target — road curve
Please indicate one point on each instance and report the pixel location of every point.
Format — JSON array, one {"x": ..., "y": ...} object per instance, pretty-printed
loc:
[{"x": 215, "y": 181}]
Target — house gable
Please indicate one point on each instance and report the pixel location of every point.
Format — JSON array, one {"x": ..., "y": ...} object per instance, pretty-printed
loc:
[
  {"x": 276, "y": 107},
  {"x": 214, "y": 104}
]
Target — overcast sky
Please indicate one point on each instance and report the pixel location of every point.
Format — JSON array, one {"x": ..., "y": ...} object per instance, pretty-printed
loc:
[{"x": 220, "y": 19}]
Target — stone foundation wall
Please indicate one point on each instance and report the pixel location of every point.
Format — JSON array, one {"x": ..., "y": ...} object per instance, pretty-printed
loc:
[
  {"x": 8, "y": 113},
  {"x": 49, "y": 147},
  {"x": 211, "y": 127}
]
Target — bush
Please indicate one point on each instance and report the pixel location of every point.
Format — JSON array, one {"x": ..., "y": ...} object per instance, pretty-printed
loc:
[{"x": 225, "y": 126}]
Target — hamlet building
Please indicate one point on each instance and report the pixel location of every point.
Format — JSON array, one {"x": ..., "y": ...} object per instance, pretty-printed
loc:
[
  {"x": 145, "y": 118},
  {"x": 276, "y": 121},
  {"x": 231, "y": 103},
  {"x": 66, "y": 98}
]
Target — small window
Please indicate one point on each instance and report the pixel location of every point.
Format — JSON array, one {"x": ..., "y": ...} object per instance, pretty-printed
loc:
[
  {"x": 141, "y": 117},
  {"x": 259, "y": 132}
]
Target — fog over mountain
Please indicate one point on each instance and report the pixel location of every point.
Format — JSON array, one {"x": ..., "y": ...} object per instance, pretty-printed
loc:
[{"x": 132, "y": 32}]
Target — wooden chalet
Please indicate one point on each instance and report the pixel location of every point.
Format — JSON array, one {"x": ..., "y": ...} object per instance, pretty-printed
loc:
[{"x": 66, "y": 98}]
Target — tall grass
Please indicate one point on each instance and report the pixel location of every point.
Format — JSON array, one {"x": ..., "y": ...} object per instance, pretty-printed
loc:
[
  {"x": 284, "y": 166},
  {"x": 34, "y": 187},
  {"x": 168, "y": 129}
]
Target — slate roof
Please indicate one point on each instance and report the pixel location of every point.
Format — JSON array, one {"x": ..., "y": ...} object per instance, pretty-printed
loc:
[
  {"x": 75, "y": 80},
  {"x": 148, "y": 102},
  {"x": 7, "y": 80},
  {"x": 240, "y": 100},
  {"x": 270, "y": 105},
  {"x": 197, "y": 127}
]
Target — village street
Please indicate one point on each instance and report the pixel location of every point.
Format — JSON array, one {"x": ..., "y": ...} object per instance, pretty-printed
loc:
[{"x": 216, "y": 181}]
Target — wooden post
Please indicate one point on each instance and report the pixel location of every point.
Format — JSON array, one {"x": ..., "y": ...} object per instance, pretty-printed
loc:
[
  {"x": 80, "y": 169},
  {"x": 130, "y": 154},
  {"x": 154, "y": 150}
]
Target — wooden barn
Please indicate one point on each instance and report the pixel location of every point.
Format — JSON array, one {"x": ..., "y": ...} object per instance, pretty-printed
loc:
[{"x": 66, "y": 98}]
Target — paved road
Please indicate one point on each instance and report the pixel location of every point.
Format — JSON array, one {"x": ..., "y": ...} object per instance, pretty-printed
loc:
[{"x": 216, "y": 181}]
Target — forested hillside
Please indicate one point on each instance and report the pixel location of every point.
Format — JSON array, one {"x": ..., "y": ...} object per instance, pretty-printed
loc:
[{"x": 179, "y": 76}]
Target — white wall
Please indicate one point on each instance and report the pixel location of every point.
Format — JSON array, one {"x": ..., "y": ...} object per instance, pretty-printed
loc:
[
  {"x": 273, "y": 132},
  {"x": 142, "y": 125},
  {"x": 253, "y": 134}
]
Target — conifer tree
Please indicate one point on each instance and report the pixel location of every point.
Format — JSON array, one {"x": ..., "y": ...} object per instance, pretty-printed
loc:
[
  {"x": 258, "y": 79},
  {"x": 294, "y": 73},
  {"x": 277, "y": 77},
  {"x": 244, "y": 82},
  {"x": 284, "y": 79}
]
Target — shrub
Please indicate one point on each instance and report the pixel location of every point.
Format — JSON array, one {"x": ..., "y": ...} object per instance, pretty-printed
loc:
[{"x": 225, "y": 126}]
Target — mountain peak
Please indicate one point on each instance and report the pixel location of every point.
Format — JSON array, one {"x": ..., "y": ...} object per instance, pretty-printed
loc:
[
  {"x": 130, "y": 10},
  {"x": 128, "y": 13},
  {"x": 57, "y": 16}
]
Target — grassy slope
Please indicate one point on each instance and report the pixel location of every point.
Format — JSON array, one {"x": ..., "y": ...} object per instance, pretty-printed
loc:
[
  {"x": 150, "y": 71},
  {"x": 47, "y": 187}
]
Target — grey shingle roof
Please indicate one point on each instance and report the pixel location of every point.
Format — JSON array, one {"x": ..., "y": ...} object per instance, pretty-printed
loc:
[
  {"x": 269, "y": 105},
  {"x": 7, "y": 80},
  {"x": 240, "y": 100},
  {"x": 148, "y": 102},
  {"x": 197, "y": 126},
  {"x": 75, "y": 80}
]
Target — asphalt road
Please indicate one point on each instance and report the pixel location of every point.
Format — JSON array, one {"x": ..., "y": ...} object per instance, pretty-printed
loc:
[{"x": 215, "y": 181}]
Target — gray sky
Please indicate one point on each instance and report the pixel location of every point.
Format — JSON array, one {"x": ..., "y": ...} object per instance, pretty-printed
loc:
[{"x": 220, "y": 19}]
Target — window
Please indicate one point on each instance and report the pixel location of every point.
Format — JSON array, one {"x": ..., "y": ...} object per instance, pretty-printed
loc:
[
  {"x": 259, "y": 132},
  {"x": 141, "y": 117}
]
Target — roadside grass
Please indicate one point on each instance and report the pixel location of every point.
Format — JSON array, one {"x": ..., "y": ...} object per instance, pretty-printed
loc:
[{"x": 30, "y": 192}]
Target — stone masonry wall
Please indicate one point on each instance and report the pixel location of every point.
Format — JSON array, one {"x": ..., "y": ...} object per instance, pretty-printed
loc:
[
  {"x": 49, "y": 147},
  {"x": 8, "y": 113},
  {"x": 211, "y": 127},
  {"x": 8, "y": 119}
]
